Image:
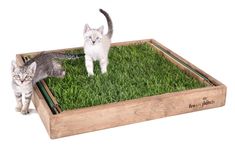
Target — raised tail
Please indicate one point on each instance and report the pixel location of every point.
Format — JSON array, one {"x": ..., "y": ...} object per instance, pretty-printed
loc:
[{"x": 110, "y": 23}]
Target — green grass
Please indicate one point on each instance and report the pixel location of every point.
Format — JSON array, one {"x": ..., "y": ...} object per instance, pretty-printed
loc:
[{"x": 134, "y": 71}]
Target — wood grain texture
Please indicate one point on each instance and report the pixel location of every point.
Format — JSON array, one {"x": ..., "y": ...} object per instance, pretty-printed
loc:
[
  {"x": 42, "y": 109},
  {"x": 132, "y": 111},
  {"x": 127, "y": 112}
]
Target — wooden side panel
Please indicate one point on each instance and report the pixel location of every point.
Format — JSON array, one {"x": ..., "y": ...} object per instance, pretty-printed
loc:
[
  {"x": 131, "y": 42},
  {"x": 132, "y": 111},
  {"x": 42, "y": 109},
  {"x": 33, "y": 54}
]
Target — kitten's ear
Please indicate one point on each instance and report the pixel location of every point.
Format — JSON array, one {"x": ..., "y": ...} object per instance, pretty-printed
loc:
[
  {"x": 101, "y": 29},
  {"x": 86, "y": 28},
  {"x": 13, "y": 65},
  {"x": 32, "y": 67}
]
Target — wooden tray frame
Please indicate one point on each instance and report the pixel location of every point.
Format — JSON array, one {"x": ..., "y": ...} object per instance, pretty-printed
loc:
[{"x": 99, "y": 117}]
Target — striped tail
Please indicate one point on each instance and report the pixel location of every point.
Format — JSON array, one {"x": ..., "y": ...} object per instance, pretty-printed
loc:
[
  {"x": 67, "y": 55},
  {"x": 110, "y": 23},
  {"x": 43, "y": 56}
]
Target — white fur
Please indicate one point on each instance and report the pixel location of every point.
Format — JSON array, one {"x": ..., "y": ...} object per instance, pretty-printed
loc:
[{"x": 96, "y": 47}]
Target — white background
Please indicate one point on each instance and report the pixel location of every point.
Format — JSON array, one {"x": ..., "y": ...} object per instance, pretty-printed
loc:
[{"x": 201, "y": 31}]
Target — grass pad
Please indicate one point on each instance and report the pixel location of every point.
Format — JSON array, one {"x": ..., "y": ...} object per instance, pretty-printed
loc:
[{"x": 134, "y": 71}]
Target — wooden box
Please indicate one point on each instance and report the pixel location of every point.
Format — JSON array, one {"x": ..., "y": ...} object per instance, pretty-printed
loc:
[{"x": 99, "y": 117}]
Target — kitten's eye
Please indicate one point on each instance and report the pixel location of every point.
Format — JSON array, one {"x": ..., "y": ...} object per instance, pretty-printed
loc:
[
  {"x": 28, "y": 78},
  {"x": 17, "y": 77},
  {"x": 90, "y": 37},
  {"x": 97, "y": 38}
]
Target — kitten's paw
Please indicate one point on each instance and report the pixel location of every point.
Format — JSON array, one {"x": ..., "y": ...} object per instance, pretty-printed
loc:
[
  {"x": 62, "y": 74},
  {"x": 103, "y": 72},
  {"x": 18, "y": 108},
  {"x": 90, "y": 74},
  {"x": 24, "y": 111}
]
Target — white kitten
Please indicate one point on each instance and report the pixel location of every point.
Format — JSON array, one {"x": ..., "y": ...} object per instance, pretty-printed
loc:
[{"x": 96, "y": 45}]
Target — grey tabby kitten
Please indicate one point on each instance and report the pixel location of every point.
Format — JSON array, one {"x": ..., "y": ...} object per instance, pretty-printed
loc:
[
  {"x": 34, "y": 70},
  {"x": 97, "y": 44}
]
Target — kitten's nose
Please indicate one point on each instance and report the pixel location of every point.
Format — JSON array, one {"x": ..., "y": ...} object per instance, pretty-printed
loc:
[
  {"x": 21, "y": 81},
  {"x": 93, "y": 42}
]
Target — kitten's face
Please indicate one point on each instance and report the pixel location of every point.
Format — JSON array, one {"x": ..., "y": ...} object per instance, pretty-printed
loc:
[
  {"x": 93, "y": 36},
  {"x": 23, "y": 75}
]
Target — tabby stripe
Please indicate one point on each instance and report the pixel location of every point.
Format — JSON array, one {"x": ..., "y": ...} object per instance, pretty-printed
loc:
[
  {"x": 18, "y": 95},
  {"x": 28, "y": 95}
]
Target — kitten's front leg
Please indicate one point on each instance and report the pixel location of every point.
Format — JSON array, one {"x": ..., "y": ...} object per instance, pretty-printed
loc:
[
  {"x": 89, "y": 65},
  {"x": 103, "y": 65},
  {"x": 19, "y": 104},
  {"x": 25, "y": 109}
]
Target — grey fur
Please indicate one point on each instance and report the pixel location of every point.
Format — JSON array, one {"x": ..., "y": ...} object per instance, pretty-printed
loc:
[
  {"x": 47, "y": 66},
  {"x": 34, "y": 70}
]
